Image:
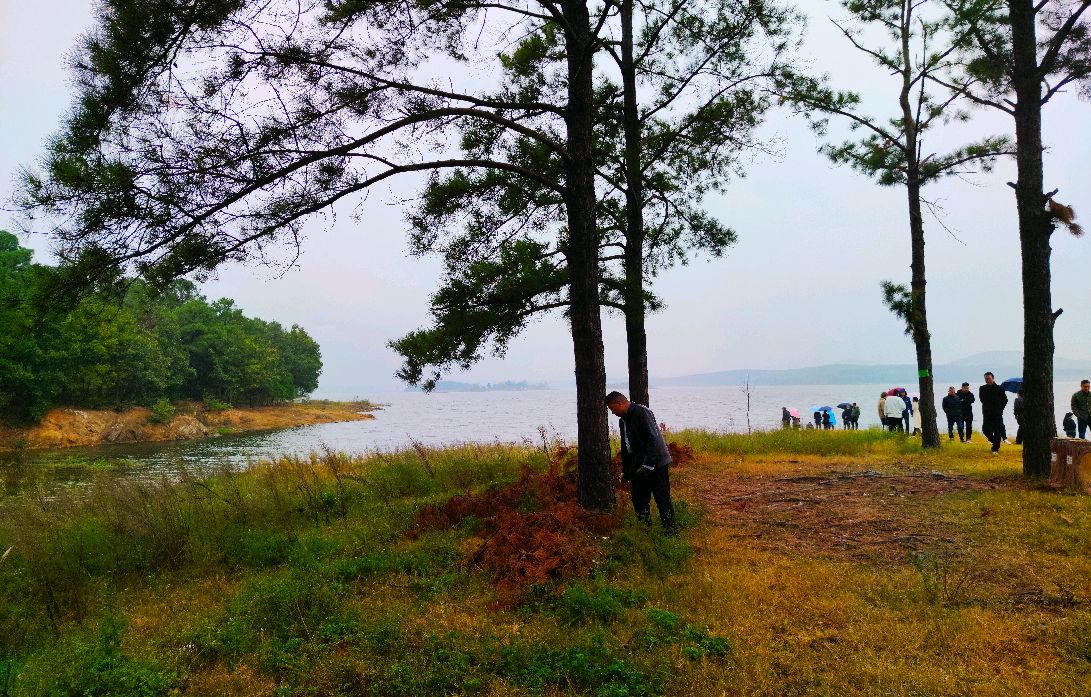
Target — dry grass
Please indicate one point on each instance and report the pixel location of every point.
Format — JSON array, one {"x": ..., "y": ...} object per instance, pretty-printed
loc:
[{"x": 874, "y": 569}]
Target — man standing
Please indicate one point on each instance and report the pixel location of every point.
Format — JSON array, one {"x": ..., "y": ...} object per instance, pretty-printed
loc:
[
  {"x": 968, "y": 400},
  {"x": 907, "y": 413},
  {"x": 1081, "y": 407},
  {"x": 1017, "y": 409},
  {"x": 644, "y": 460},
  {"x": 882, "y": 409},
  {"x": 993, "y": 401},
  {"x": 952, "y": 408},
  {"x": 855, "y": 416}
]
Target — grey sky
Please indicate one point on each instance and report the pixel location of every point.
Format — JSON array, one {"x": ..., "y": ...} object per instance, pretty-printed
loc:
[{"x": 800, "y": 288}]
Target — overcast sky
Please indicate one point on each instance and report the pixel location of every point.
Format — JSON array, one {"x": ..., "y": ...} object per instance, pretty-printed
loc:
[{"x": 800, "y": 288}]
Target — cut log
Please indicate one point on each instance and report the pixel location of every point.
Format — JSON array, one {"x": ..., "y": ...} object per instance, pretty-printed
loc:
[{"x": 1070, "y": 464}]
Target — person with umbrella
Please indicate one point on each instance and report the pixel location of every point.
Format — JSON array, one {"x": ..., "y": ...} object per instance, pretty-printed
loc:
[
  {"x": 794, "y": 414},
  {"x": 907, "y": 412},
  {"x": 894, "y": 408},
  {"x": 785, "y": 417},
  {"x": 1015, "y": 385},
  {"x": 1017, "y": 409},
  {"x": 846, "y": 415}
]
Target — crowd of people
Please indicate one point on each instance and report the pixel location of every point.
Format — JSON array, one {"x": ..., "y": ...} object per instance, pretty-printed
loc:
[{"x": 900, "y": 412}]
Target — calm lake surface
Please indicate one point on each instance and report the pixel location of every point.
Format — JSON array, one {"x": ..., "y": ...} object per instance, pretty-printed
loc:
[{"x": 453, "y": 417}]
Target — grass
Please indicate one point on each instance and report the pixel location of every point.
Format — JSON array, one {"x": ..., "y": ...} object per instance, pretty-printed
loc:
[{"x": 816, "y": 563}]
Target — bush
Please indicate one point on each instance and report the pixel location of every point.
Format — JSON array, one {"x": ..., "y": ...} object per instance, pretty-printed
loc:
[
  {"x": 162, "y": 412},
  {"x": 213, "y": 404},
  {"x": 95, "y": 667}
]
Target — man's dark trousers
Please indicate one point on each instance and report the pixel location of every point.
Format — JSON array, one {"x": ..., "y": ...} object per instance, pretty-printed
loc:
[
  {"x": 656, "y": 484},
  {"x": 951, "y": 423},
  {"x": 969, "y": 427},
  {"x": 993, "y": 428}
]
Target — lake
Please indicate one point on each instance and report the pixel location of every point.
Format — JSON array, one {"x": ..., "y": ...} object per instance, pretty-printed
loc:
[{"x": 437, "y": 419}]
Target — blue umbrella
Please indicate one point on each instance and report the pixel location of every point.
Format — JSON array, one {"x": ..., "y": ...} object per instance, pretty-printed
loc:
[
  {"x": 1012, "y": 385},
  {"x": 814, "y": 409}
]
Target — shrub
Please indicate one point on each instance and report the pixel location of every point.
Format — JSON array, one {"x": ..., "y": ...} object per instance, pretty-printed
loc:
[
  {"x": 95, "y": 667},
  {"x": 162, "y": 412},
  {"x": 534, "y": 530},
  {"x": 213, "y": 404}
]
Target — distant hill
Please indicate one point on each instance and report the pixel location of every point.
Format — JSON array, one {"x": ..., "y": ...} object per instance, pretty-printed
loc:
[
  {"x": 1004, "y": 364},
  {"x": 506, "y": 386}
]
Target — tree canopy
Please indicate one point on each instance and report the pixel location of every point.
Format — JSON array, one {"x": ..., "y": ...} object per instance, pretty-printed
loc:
[{"x": 137, "y": 348}]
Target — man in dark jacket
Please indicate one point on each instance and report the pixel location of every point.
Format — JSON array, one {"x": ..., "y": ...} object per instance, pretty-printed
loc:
[
  {"x": 1081, "y": 407},
  {"x": 1017, "y": 409},
  {"x": 952, "y": 408},
  {"x": 993, "y": 401},
  {"x": 644, "y": 460},
  {"x": 968, "y": 400}
]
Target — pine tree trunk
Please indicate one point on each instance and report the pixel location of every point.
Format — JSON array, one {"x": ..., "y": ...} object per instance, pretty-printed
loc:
[
  {"x": 635, "y": 332},
  {"x": 1035, "y": 228},
  {"x": 918, "y": 319},
  {"x": 918, "y": 311},
  {"x": 596, "y": 487}
]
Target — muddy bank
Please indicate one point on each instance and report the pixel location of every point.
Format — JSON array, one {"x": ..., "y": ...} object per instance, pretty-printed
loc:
[{"x": 68, "y": 427}]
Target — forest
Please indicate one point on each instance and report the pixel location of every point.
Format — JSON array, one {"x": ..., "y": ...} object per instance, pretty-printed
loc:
[{"x": 138, "y": 346}]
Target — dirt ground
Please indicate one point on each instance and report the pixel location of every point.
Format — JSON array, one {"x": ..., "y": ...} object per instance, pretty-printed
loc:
[{"x": 866, "y": 515}]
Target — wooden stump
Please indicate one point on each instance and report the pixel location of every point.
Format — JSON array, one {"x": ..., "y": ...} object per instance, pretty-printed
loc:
[{"x": 1070, "y": 464}]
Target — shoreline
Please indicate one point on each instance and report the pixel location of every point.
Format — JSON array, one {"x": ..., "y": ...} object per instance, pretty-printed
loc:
[{"x": 68, "y": 427}]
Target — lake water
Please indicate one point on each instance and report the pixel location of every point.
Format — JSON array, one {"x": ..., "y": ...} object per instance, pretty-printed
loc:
[{"x": 437, "y": 419}]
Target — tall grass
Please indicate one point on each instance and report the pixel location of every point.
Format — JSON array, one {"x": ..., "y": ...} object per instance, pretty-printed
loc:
[
  {"x": 316, "y": 586},
  {"x": 797, "y": 442},
  {"x": 66, "y": 547}
]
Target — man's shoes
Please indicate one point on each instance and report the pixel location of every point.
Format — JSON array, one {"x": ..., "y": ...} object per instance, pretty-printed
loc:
[
  {"x": 995, "y": 453},
  {"x": 961, "y": 440},
  {"x": 1007, "y": 442}
]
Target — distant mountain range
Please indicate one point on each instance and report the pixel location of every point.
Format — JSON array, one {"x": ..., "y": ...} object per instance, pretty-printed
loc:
[
  {"x": 1005, "y": 364},
  {"x": 506, "y": 386}
]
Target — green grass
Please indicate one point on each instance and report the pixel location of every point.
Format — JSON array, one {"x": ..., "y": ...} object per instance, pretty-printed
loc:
[
  {"x": 298, "y": 578},
  {"x": 796, "y": 441}
]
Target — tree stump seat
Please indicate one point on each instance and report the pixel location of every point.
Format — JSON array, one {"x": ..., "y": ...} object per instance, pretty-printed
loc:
[{"x": 1070, "y": 464}]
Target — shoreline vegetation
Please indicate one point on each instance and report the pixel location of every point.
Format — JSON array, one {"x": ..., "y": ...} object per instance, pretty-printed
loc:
[
  {"x": 848, "y": 563},
  {"x": 71, "y": 427}
]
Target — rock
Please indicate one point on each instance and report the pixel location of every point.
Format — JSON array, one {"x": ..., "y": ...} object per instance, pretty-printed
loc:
[{"x": 186, "y": 428}]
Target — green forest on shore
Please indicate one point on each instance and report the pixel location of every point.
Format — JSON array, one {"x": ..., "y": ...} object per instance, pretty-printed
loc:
[{"x": 141, "y": 347}]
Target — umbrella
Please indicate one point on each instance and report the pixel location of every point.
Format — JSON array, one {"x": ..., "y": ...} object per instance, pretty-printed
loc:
[
  {"x": 793, "y": 412},
  {"x": 1012, "y": 384},
  {"x": 893, "y": 391},
  {"x": 826, "y": 408},
  {"x": 844, "y": 405}
]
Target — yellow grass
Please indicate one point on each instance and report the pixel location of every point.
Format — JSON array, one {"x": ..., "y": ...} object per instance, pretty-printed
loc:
[{"x": 885, "y": 572}]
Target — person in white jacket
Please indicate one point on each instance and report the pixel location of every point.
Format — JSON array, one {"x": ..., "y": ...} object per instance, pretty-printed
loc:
[
  {"x": 894, "y": 406},
  {"x": 916, "y": 415}
]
